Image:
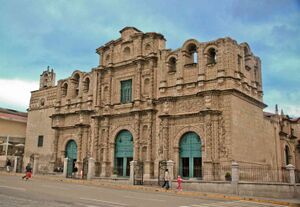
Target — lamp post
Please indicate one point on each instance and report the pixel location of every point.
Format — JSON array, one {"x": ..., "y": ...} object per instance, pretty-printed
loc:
[{"x": 7, "y": 139}]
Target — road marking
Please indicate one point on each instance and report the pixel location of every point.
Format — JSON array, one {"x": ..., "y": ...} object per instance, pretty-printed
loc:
[
  {"x": 217, "y": 204},
  {"x": 225, "y": 203},
  {"x": 13, "y": 188},
  {"x": 149, "y": 199},
  {"x": 102, "y": 201},
  {"x": 56, "y": 187},
  {"x": 264, "y": 204}
]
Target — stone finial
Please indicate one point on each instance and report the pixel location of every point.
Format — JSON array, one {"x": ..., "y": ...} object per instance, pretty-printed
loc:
[
  {"x": 282, "y": 114},
  {"x": 276, "y": 109}
]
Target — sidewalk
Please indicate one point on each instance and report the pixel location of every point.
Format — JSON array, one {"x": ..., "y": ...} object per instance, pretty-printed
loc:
[{"x": 122, "y": 186}]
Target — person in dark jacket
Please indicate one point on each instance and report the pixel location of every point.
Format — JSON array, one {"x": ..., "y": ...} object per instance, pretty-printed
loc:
[{"x": 8, "y": 165}]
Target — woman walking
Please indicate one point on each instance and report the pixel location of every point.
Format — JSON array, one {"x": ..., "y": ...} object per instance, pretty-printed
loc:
[{"x": 28, "y": 172}]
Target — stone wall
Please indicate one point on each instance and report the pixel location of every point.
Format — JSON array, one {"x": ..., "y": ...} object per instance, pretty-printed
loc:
[
  {"x": 250, "y": 143},
  {"x": 39, "y": 124},
  {"x": 270, "y": 190}
]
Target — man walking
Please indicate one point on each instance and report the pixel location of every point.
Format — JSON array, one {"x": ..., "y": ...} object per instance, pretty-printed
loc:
[{"x": 166, "y": 180}]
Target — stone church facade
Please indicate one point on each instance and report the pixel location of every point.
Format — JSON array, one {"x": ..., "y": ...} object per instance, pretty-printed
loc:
[{"x": 199, "y": 106}]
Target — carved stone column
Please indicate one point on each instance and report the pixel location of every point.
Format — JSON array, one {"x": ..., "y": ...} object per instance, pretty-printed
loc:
[
  {"x": 208, "y": 135},
  {"x": 148, "y": 162},
  {"x": 216, "y": 138},
  {"x": 152, "y": 81},
  {"x": 138, "y": 82},
  {"x": 149, "y": 141},
  {"x": 111, "y": 54},
  {"x": 110, "y": 87},
  {"x": 95, "y": 145},
  {"x": 99, "y": 97},
  {"x": 79, "y": 135},
  {"x": 165, "y": 137},
  {"x": 105, "y": 140},
  {"x": 137, "y": 138}
]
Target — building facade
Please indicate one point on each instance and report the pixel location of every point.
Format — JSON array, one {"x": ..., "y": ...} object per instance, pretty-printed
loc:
[
  {"x": 199, "y": 106},
  {"x": 12, "y": 136}
]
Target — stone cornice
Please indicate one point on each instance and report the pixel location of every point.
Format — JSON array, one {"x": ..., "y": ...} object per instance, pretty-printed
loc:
[
  {"x": 245, "y": 97},
  {"x": 213, "y": 92},
  {"x": 201, "y": 113}
]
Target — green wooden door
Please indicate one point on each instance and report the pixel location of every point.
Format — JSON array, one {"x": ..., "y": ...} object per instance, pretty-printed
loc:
[
  {"x": 123, "y": 152},
  {"x": 190, "y": 156},
  {"x": 71, "y": 154}
]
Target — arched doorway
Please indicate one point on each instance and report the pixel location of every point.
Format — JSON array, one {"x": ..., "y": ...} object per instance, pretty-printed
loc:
[
  {"x": 123, "y": 153},
  {"x": 71, "y": 154},
  {"x": 190, "y": 156}
]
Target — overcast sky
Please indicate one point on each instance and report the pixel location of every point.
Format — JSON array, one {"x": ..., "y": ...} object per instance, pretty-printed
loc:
[{"x": 65, "y": 34}]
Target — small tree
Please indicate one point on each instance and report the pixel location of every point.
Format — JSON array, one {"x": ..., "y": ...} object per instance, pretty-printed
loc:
[{"x": 228, "y": 176}]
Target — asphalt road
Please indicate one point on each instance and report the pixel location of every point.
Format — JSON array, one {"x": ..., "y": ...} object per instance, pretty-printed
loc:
[{"x": 15, "y": 192}]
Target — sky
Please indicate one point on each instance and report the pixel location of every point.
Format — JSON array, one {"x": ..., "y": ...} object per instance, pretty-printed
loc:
[{"x": 64, "y": 35}]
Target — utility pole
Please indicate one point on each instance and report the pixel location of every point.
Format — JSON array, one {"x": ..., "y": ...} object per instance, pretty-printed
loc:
[{"x": 7, "y": 142}]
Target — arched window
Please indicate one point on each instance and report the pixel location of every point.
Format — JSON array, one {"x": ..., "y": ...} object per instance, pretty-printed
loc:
[
  {"x": 86, "y": 85},
  {"x": 287, "y": 155},
  {"x": 126, "y": 52},
  {"x": 192, "y": 55},
  {"x": 76, "y": 84},
  {"x": 172, "y": 64},
  {"x": 64, "y": 89},
  {"x": 211, "y": 56}
]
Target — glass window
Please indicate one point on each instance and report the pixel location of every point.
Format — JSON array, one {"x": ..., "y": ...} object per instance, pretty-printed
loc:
[
  {"x": 126, "y": 91},
  {"x": 40, "y": 141}
]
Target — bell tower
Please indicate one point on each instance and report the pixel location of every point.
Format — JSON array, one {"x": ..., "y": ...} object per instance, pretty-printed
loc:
[{"x": 47, "y": 78}]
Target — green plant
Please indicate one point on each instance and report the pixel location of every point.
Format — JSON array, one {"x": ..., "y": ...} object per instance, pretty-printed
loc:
[
  {"x": 115, "y": 171},
  {"x": 227, "y": 176}
]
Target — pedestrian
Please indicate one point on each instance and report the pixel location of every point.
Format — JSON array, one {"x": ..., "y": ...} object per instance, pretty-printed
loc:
[
  {"x": 28, "y": 172},
  {"x": 166, "y": 180},
  {"x": 75, "y": 170},
  {"x": 179, "y": 181},
  {"x": 8, "y": 165}
]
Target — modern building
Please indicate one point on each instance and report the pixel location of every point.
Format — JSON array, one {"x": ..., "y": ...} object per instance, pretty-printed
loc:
[
  {"x": 12, "y": 135},
  {"x": 200, "y": 107}
]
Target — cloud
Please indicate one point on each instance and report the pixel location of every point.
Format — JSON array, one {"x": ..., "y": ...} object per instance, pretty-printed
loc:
[
  {"x": 35, "y": 34},
  {"x": 287, "y": 100},
  {"x": 15, "y": 94}
]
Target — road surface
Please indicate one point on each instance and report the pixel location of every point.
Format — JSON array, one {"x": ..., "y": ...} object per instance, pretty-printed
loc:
[{"x": 15, "y": 192}]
